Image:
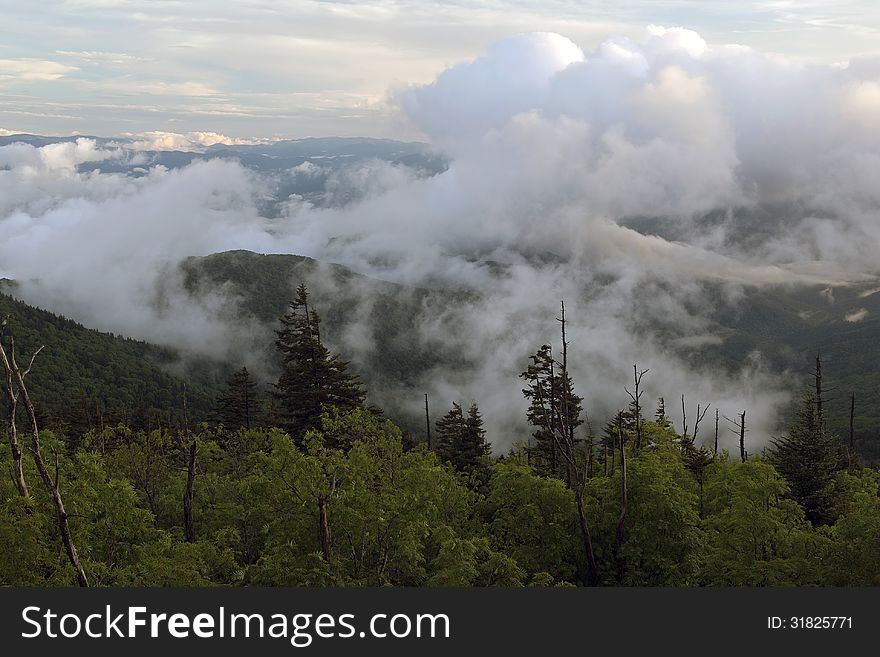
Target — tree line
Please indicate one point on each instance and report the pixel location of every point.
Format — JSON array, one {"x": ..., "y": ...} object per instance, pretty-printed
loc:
[{"x": 310, "y": 485}]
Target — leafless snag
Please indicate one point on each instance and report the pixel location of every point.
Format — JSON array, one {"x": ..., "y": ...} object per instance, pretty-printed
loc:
[
  {"x": 636, "y": 396},
  {"x": 701, "y": 413},
  {"x": 188, "y": 447},
  {"x": 740, "y": 428},
  {"x": 715, "y": 450},
  {"x": 697, "y": 459},
  {"x": 427, "y": 422},
  {"x": 323, "y": 520},
  {"x": 618, "y": 539},
  {"x": 17, "y": 376},
  {"x": 684, "y": 421},
  {"x": 851, "y": 447},
  {"x": 11, "y": 428}
]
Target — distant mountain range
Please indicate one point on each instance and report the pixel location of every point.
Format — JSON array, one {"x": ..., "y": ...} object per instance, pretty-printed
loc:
[{"x": 297, "y": 168}]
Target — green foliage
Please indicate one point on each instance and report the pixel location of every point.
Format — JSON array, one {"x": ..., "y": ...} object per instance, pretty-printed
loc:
[
  {"x": 662, "y": 542},
  {"x": 548, "y": 393},
  {"x": 756, "y": 535},
  {"x": 239, "y": 407},
  {"x": 85, "y": 378},
  {"x": 853, "y": 557},
  {"x": 808, "y": 456},
  {"x": 534, "y": 520},
  {"x": 385, "y": 506},
  {"x": 461, "y": 441},
  {"x": 312, "y": 380},
  {"x": 344, "y": 500}
]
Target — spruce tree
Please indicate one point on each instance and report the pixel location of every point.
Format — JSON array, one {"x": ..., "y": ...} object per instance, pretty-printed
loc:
[
  {"x": 239, "y": 406},
  {"x": 808, "y": 457},
  {"x": 546, "y": 392},
  {"x": 462, "y": 439},
  {"x": 311, "y": 378}
]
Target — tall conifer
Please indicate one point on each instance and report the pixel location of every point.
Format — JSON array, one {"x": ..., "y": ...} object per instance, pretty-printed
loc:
[{"x": 311, "y": 379}]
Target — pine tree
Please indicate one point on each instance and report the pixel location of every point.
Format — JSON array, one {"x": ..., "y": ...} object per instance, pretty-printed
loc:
[
  {"x": 311, "y": 379},
  {"x": 547, "y": 393},
  {"x": 239, "y": 406},
  {"x": 808, "y": 457},
  {"x": 462, "y": 439}
]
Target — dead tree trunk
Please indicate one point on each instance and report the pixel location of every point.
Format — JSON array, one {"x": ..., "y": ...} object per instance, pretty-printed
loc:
[
  {"x": 427, "y": 422},
  {"x": 51, "y": 484},
  {"x": 852, "y": 433},
  {"x": 742, "y": 436},
  {"x": 11, "y": 428},
  {"x": 189, "y": 448},
  {"x": 636, "y": 396},
  {"x": 590, "y": 456},
  {"x": 189, "y": 531},
  {"x": 716, "y": 432},
  {"x": 618, "y": 540},
  {"x": 701, "y": 413},
  {"x": 324, "y": 527},
  {"x": 819, "y": 391},
  {"x": 684, "y": 421}
]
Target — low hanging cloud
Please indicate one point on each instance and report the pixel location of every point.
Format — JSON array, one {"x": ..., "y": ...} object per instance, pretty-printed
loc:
[
  {"x": 552, "y": 153},
  {"x": 195, "y": 142}
]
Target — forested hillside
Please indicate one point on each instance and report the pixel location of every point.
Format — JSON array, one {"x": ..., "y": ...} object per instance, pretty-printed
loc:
[
  {"x": 263, "y": 285},
  {"x": 788, "y": 325},
  {"x": 308, "y": 486},
  {"x": 85, "y": 377}
]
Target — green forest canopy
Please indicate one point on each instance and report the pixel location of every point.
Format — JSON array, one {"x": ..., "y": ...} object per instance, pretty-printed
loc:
[{"x": 346, "y": 500}]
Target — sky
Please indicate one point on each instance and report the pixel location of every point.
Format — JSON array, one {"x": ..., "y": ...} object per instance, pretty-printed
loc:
[{"x": 296, "y": 68}]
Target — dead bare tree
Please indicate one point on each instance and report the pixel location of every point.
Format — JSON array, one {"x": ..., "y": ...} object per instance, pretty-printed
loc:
[
  {"x": 188, "y": 448},
  {"x": 684, "y": 420},
  {"x": 323, "y": 520},
  {"x": 51, "y": 483},
  {"x": 697, "y": 458},
  {"x": 427, "y": 422},
  {"x": 852, "y": 435},
  {"x": 636, "y": 396},
  {"x": 701, "y": 413},
  {"x": 618, "y": 537},
  {"x": 11, "y": 428},
  {"x": 590, "y": 456},
  {"x": 740, "y": 428},
  {"x": 715, "y": 450}
]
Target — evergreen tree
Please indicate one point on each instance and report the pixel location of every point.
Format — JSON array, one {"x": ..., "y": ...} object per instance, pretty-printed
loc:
[
  {"x": 546, "y": 392},
  {"x": 808, "y": 457},
  {"x": 239, "y": 406},
  {"x": 311, "y": 379},
  {"x": 462, "y": 439}
]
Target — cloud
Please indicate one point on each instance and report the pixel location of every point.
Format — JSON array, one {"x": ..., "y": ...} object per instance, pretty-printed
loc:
[
  {"x": 512, "y": 77},
  {"x": 33, "y": 69},
  {"x": 173, "y": 141},
  {"x": 747, "y": 170}
]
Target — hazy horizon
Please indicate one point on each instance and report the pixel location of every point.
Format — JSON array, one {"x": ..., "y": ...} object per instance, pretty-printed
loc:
[{"x": 324, "y": 68}]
